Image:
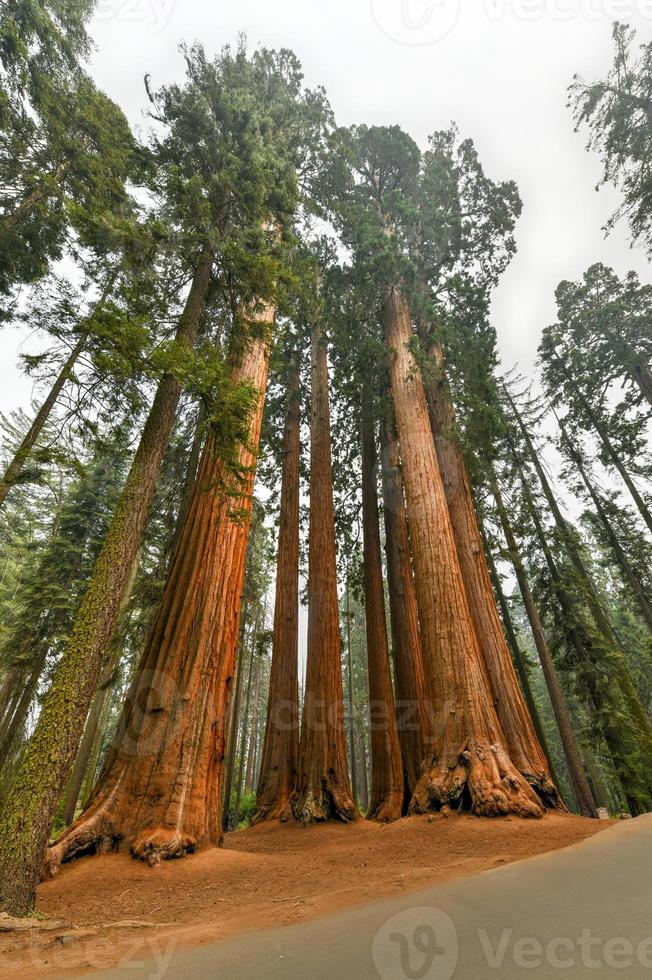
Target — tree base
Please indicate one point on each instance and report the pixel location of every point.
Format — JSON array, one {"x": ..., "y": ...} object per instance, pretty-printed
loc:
[
  {"x": 96, "y": 833},
  {"x": 386, "y": 810},
  {"x": 309, "y": 807},
  {"x": 484, "y": 783},
  {"x": 279, "y": 811}
]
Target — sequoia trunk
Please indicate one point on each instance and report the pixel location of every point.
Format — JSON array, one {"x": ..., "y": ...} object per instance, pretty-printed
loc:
[
  {"x": 412, "y": 716},
  {"x": 29, "y": 810},
  {"x": 386, "y": 802},
  {"x": 522, "y": 742},
  {"x": 160, "y": 788},
  {"x": 468, "y": 760},
  {"x": 279, "y": 760},
  {"x": 323, "y": 787}
]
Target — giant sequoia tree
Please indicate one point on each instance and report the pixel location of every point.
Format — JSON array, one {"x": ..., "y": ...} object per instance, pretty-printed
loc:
[
  {"x": 248, "y": 179},
  {"x": 468, "y": 746},
  {"x": 323, "y": 790}
]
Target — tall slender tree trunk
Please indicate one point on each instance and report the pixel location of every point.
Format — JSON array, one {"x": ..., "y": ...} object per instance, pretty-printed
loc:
[
  {"x": 278, "y": 769},
  {"x": 608, "y": 701},
  {"x": 349, "y": 672},
  {"x": 601, "y": 619},
  {"x": 628, "y": 573},
  {"x": 518, "y": 656},
  {"x": 253, "y": 733},
  {"x": 323, "y": 788},
  {"x": 23, "y": 452},
  {"x": 84, "y": 755},
  {"x": 364, "y": 777},
  {"x": 246, "y": 735},
  {"x": 91, "y": 768},
  {"x": 468, "y": 756},
  {"x": 191, "y": 475},
  {"x": 17, "y": 723},
  {"x": 642, "y": 375},
  {"x": 411, "y": 708},
  {"x": 522, "y": 742},
  {"x": 607, "y": 443},
  {"x": 29, "y": 810},
  {"x": 96, "y": 713},
  {"x": 386, "y": 802},
  {"x": 578, "y": 779},
  {"x": 233, "y": 729},
  {"x": 161, "y": 786}
]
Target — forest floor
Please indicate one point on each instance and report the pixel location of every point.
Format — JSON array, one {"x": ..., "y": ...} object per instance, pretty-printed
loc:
[{"x": 109, "y": 910}]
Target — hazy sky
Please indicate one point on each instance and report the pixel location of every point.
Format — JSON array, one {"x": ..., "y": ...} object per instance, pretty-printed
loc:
[{"x": 499, "y": 68}]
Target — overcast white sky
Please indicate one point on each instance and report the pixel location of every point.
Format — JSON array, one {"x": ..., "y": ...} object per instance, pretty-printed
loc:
[{"x": 499, "y": 68}]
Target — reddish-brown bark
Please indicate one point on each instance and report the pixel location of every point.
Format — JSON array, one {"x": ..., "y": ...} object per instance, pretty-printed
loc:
[
  {"x": 323, "y": 788},
  {"x": 281, "y": 748},
  {"x": 30, "y": 807},
  {"x": 522, "y": 742},
  {"x": 468, "y": 760},
  {"x": 386, "y": 801},
  {"x": 160, "y": 789},
  {"x": 412, "y": 715}
]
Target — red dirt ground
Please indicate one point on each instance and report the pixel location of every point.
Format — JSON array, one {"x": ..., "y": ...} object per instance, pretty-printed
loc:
[{"x": 268, "y": 876}]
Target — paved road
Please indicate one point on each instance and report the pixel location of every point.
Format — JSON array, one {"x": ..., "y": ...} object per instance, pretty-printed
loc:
[{"x": 582, "y": 912}]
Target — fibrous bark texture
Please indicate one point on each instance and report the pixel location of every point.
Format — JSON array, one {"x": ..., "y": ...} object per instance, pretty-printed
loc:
[
  {"x": 323, "y": 788},
  {"x": 160, "y": 789},
  {"x": 411, "y": 713},
  {"x": 522, "y": 742},
  {"x": 281, "y": 749},
  {"x": 468, "y": 760},
  {"x": 386, "y": 802},
  {"x": 29, "y": 810}
]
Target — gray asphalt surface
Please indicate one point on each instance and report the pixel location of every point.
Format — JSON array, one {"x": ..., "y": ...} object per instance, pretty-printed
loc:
[{"x": 582, "y": 912}]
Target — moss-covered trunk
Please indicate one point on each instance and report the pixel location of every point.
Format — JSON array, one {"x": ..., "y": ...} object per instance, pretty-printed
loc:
[{"x": 28, "y": 812}]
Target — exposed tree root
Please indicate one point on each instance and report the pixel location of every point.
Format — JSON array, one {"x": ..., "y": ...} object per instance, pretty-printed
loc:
[
  {"x": 89, "y": 835},
  {"x": 162, "y": 844},
  {"x": 483, "y": 781}
]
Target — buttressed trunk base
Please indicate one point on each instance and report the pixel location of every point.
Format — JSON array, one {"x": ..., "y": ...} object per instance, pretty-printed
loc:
[
  {"x": 160, "y": 790},
  {"x": 468, "y": 763}
]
